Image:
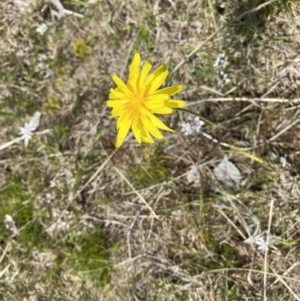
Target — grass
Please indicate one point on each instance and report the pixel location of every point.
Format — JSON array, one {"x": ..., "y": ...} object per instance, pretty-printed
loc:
[{"x": 83, "y": 230}]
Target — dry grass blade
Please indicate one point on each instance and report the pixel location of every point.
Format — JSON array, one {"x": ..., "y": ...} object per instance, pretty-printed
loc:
[
  {"x": 236, "y": 99},
  {"x": 196, "y": 50},
  {"x": 280, "y": 278},
  {"x": 267, "y": 249},
  {"x": 259, "y": 7},
  {"x": 136, "y": 192},
  {"x": 150, "y": 221}
]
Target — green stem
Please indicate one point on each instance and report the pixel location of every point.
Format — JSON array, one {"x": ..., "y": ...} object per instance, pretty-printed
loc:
[{"x": 196, "y": 114}]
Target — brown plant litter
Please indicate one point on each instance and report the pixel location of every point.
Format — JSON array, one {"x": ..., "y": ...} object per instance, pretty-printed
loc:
[{"x": 81, "y": 220}]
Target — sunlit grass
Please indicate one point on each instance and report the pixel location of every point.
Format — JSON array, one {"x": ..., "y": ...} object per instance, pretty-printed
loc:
[{"x": 84, "y": 233}]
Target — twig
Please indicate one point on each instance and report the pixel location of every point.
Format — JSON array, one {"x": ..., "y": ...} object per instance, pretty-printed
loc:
[
  {"x": 18, "y": 139},
  {"x": 4, "y": 270},
  {"x": 130, "y": 230},
  {"x": 9, "y": 143},
  {"x": 195, "y": 50},
  {"x": 243, "y": 270},
  {"x": 287, "y": 271},
  {"x": 280, "y": 278},
  {"x": 275, "y": 100},
  {"x": 284, "y": 130},
  {"x": 96, "y": 173},
  {"x": 61, "y": 11},
  {"x": 214, "y": 139},
  {"x": 233, "y": 225},
  {"x": 6, "y": 250},
  {"x": 266, "y": 250},
  {"x": 136, "y": 192},
  {"x": 216, "y": 31},
  {"x": 253, "y": 10}
]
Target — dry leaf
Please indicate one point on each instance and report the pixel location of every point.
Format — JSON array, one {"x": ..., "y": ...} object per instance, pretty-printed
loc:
[
  {"x": 227, "y": 173},
  {"x": 193, "y": 175}
]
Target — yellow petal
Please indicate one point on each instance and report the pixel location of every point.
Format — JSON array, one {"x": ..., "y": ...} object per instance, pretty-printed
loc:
[
  {"x": 174, "y": 103},
  {"x": 144, "y": 72},
  {"x": 122, "y": 133},
  {"x": 124, "y": 127},
  {"x": 151, "y": 128},
  {"x": 146, "y": 136},
  {"x": 159, "y": 124},
  {"x": 124, "y": 119},
  {"x": 160, "y": 69},
  {"x": 158, "y": 81},
  {"x": 151, "y": 105},
  {"x": 116, "y": 94},
  {"x": 119, "y": 82},
  {"x": 157, "y": 97},
  {"x": 116, "y": 112},
  {"x": 144, "y": 111},
  {"x": 169, "y": 90},
  {"x": 162, "y": 110},
  {"x": 137, "y": 129},
  {"x": 157, "y": 72},
  {"x": 115, "y": 103},
  {"x": 135, "y": 65}
]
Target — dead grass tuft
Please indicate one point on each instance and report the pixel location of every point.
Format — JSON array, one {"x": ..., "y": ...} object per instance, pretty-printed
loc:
[{"x": 149, "y": 222}]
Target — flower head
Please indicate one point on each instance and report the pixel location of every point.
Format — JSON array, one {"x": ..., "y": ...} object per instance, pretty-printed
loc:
[
  {"x": 262, "y": 245},
  {"x": 189, "y": 128},
  {"x": 41, "y": 29},
  {"x": 222, "y": 79},
  {"x": 221, "y": 61},
  {"x": 186, "y": 128},
  {"x": 136, "y": 102},
  {"x": 27, "y": 131}
]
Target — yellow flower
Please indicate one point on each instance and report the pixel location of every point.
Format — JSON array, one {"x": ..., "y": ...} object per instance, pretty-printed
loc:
[{"x": 136, "y": 102}]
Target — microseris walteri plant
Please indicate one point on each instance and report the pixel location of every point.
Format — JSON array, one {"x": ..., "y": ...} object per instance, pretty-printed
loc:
[{"x": 136, "y": 102}]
